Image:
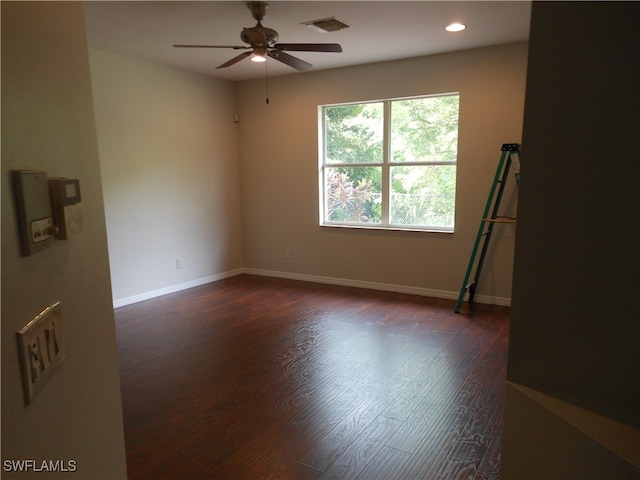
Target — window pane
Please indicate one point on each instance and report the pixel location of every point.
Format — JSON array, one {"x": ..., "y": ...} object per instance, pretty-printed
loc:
[
  {"x": 354, "y": 133},
  {"x": 423, "y": 195},
  {"x": 424, "y": 129},
  {"x": 353, "y": 195}
]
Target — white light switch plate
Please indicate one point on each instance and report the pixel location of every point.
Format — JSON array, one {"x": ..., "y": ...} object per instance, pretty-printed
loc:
[{"x": 41, "y": 349}]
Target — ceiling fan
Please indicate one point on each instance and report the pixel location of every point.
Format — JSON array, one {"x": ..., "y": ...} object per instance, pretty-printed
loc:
[{"x": 262, "y": 42}]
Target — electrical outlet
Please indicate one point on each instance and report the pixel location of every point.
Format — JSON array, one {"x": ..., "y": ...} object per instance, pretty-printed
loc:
[
  {"x": 178, "y": 263},
  {"x": 41, "y": 349},
  {"x": 287, "y": 254}
]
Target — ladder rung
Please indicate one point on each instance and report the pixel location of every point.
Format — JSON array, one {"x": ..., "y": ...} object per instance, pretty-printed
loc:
[{"x": 500, "y": 220}]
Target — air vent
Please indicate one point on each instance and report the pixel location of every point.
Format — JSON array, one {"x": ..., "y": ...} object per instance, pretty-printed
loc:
[{"x": 324, "y": 25}]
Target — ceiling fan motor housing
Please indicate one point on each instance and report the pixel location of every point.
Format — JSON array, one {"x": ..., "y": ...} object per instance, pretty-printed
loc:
[{"x": 249, "y": 35}]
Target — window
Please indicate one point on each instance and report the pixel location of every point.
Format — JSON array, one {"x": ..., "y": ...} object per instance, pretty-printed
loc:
[{"x": 390, "y": 164}]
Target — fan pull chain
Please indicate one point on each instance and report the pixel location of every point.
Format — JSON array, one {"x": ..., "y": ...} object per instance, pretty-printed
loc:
[{"x": 266, "y": 81}]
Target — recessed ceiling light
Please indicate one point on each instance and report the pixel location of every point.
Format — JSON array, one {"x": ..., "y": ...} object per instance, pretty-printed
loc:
[{"x": 455, "y": 27}]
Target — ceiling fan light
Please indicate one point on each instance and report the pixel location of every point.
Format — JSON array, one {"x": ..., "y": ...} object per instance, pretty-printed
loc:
[
  {"x": 258, "y": 58},
  {"x": 455, "y": 27}
]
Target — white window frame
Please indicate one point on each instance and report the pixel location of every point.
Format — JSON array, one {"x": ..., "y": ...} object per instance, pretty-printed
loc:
[{"x": 386, "y": 165}]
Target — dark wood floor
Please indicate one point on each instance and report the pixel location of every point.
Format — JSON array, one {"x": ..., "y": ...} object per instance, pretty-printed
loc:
[{"x": 262, "y": 378}]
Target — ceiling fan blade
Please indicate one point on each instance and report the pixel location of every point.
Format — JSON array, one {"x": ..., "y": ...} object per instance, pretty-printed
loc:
[
  {"x": 235, "y": 60},
  {"x": 287, "y": 59},
  {"x": 309, "y": 47},
  {"x": 235, "y": 47}
]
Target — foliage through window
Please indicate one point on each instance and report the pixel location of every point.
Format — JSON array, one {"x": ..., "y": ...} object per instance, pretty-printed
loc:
[{"x": 390, "y": 164}]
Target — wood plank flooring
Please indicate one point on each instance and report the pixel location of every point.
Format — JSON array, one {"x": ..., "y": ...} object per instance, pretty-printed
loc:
[{"x": 262, "y": 378}]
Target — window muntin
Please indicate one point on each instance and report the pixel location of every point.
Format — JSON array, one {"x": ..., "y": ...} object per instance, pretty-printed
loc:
[{"x": 390, "y": 164}]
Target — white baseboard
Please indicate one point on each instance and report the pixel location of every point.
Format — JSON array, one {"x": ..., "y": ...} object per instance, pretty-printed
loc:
[
  {"x": 387, "y": 287},
  {"x": 121, "y": 302},
  {"x": 345, "y": 282}
]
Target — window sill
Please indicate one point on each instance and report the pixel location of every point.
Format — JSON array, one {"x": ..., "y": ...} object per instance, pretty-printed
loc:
[{"x": 389, "y": 228}]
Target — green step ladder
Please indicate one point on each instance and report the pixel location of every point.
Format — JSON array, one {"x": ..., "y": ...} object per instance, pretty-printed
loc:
[{"x": 509, "y": 157}]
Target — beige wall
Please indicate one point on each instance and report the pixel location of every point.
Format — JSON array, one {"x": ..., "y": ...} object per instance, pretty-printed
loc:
[
  {"x": 48, "y": 124},
  {"x": 230, "y": 197},
  {"x": 169, "y": 159},
  {"x": 279, "y": 165},
  {"x": 574, "y": 329}
]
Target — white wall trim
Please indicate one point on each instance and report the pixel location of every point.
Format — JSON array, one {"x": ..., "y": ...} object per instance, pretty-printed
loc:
[
  {"x": 345, "y": 282},
  {"x": 387, "y": 287},
  {"x": 121, "y": 302}
]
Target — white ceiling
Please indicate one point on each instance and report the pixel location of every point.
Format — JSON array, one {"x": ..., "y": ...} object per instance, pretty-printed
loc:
[{"x": 379, "y": 31}]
